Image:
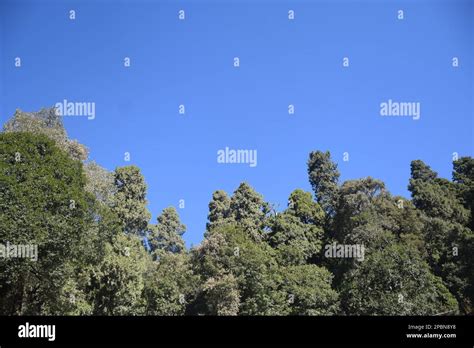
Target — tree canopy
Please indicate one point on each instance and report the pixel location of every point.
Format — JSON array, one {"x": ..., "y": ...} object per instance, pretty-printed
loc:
[{"x": 352, "y": 248}]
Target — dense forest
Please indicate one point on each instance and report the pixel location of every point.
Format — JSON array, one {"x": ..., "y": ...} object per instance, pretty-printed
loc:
[{"x": 414, "y": 257}]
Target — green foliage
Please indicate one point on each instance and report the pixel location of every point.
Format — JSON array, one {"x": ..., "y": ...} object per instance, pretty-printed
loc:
[
  {"x": 446, "y": 207},
  {"x": 301, "y": 205},
  {"x": 222, "y": 295},
  {"x": 297, "y": 232},
  {"x": 46, "y": 122},
  {"x": 219, "y": 210},
  {"x": 309, "y": 291},
  {"x": 166, "y": 235},
  {"x": 129, "y": 202},
  {"x": 248, "y": 208},
  {"x": 242, "y": 277},
  {"x": 463, "y": 176},
  {"x": 323, "y": 177},
  {"x": 116, "y": 284},
  {"x": 230, "y": 250},
  {"x": 170, "y": 285},
  {"x": 358, "y": 219},
  {"x": 88, "y": 224},
  {"x": 395, "y": 281},
  {"x": 100, "y": 182},
  {"x": 43, "y": 203}
]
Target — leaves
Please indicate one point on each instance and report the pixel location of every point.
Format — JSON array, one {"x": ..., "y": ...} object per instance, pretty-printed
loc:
[{"x": 88, "y": 224}]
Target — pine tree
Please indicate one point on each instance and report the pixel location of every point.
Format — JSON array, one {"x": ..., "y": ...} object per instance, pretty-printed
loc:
[
  {"x": 167, "y": 234},
  {"x": 129, "y": 202}
]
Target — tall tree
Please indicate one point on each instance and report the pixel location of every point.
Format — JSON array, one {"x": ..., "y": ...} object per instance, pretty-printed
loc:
[
  {"x": 43, "y": 204},
  {"x": 117, "y": 282},
  {"x": 463, "y": 176},
  {"x": 222, "y": 295},
  {"x": 395, "y": 280},
  {"x": 230, "y": 253},
  {"x": 356, "y": 210},
  {"x": 446, "y": 226},
  {"x": 435, "y": 196},
  {"x": 100, "y": 182},
  {"x": 324, "y": 177},
  {"x": 129, "y": 201},
  {"x": 219, "y": 210},
  {"x": 170, "y": 285},
  {"x": 249, "y": 210},
  {"x": 309, "y": 291},
  {"x": 47, "y": 122},
  {"x": 297, "y": 232},
  {"x": 167, "y": 234}
]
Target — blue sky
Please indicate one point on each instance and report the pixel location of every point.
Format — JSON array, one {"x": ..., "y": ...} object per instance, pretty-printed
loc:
[{"x": 282, "y": 62}]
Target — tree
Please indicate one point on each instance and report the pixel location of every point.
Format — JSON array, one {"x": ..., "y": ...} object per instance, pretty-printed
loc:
[
  {"x": 219, "y": 210},
  {"x": 309, "y": 291},
  {"x": 436, "y": 197},
  {"x": 301, "y": 205},
  {"x": 463, "y": 176},
  {"x": 42, "y": 203},
  {"x": 242, "y": 277},
  {"x": 246, "y": 208},
  {"x": 87, "y": 224},
  {"x": 116, "y": 284},
  {"x": 229, "y": 252},
  {"x": 297, "y": 232},
  {"x": 100, "y": 182},
  {"x": 356, "y": 220},
  {"x": 368, "y": 216},
  {"x": 249, "y": 210},
  {"x": 395, "y": 280},
  {"x": 170, "y": 285},
  {"x": 47, "y": 122},
  {"x": 167, "y": 234},
  {"x": 129, "y": 202},
  {"x": 446, "y": 226},
  {"x": 421, "y": 171},
  {"x": 78, "y": 296},
  {"x": 324, "y": 177},
  {"x": 222, "y": 295}
]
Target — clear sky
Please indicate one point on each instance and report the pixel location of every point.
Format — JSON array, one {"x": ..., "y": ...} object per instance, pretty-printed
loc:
[{"x": 282, "y": 62}]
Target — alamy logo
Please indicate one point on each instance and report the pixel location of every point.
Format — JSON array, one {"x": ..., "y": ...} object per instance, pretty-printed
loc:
[
  {"x": 37, "y": 331},
  {"x": 335, "y": 250},
  {"x": 67, "y": 108},
  {"x": 393, "y": 108},
  {"x": 237, "y": 156},
  {"x": 29, "y": 251}
]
